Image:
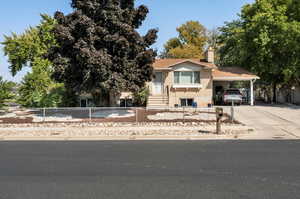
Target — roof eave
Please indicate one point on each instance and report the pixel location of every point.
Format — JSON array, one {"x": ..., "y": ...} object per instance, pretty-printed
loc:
[{"x": 235, "y": 78}]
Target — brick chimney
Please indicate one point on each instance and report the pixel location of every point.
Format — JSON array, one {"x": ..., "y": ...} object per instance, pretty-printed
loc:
[{"x": 210, "y": 55}]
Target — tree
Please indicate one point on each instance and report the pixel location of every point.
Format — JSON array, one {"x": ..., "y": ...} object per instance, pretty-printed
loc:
[
  {"x": 189, "y": 44},
  {"x": 232, "y": 44},
  {"x": 29, "y": 50},
  {"x": 100, "y": 51},
  {"x": 37, "y": 89},
  {"x": 140, "y": 97},
  {"x": 6, "y": 92},
  {"x": 265, "y": 40},
  {"x": 212, "y": 38},
  {"x": 24, "y": 49},
  {"x": 212, "y": 41}
]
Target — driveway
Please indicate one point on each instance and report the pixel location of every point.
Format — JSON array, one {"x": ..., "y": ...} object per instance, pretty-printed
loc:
[{"x": 271, "y": 122}]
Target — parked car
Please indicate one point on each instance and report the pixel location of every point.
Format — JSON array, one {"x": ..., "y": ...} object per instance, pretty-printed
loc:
[{"x": 232, "y": 95}]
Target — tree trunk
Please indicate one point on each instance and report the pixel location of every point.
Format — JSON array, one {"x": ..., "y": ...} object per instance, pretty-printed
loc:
[{"x": 274, "y": 93}]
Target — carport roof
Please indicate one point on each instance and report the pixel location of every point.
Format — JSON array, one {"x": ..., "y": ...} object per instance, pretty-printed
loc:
[{"x": 233, "y": 74}]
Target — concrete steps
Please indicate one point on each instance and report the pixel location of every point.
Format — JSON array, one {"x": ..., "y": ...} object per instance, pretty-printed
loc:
[{"x": 160, "y": 101}]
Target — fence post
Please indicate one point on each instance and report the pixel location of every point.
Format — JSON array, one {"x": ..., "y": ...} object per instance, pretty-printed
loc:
[
  {"x": 90, "y": 114},
  {"x": 219, "y": 115},
  {"x": 232, "y": 112},
  {"x": 183, "y": 114},
  {"x": 136, "y": 115},
  {"x": 44, "y": 114}
]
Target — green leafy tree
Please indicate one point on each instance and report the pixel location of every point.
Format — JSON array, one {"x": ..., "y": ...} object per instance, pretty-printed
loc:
[
  {"x": 100, "y": 51},
  {"x": 37, "y": 89},
  {"x": 189, "y": 44},
  {"x": 265, "y": 40},
  {"x": 24, "y": 49},
  {"x": 141, "y": 96},
  {"x": 6, "y": 92},
  {"x": 232, "y": 49},
  {"x": 29, "y": 50}
]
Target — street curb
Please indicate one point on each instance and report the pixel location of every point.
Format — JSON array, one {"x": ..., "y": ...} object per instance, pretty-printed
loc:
[
  {"x": 91, "y": 139},
  {"x": 116, "y": 138}
]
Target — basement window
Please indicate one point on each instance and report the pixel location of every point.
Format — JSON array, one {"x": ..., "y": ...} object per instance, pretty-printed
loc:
[
  {"x": 125, "y": 102},
  {"x": 186, "y": 102}
]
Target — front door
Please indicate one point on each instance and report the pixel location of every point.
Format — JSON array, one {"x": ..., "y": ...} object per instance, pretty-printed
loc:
[{"x": 158, "y": 83}]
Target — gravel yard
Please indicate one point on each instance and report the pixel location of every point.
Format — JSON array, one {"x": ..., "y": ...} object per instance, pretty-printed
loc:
[
  {"x": 118, "y": 129},
  {"x": 109, "y": 123}
]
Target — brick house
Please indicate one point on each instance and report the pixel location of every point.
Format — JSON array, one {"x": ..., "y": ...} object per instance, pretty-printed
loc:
[{"x": 183, "y": 82}]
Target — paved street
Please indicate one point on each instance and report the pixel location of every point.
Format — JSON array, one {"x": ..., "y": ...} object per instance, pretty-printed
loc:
[
  {"x": 150, "y": 170},
  {"x": 271, "y": 122}
]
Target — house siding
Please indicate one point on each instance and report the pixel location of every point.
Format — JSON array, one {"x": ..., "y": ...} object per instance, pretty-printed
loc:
[{"x": 202, "y": 96}]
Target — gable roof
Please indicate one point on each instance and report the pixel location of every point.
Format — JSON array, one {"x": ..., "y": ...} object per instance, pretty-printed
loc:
[
  {"x": 233, "y": 73},
  {"x": 218, "y": 73},
  {"x": 167, "y": 63}
]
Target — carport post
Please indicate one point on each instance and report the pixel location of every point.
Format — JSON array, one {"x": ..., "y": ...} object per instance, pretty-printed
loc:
[{"x": 251, "y": 93}]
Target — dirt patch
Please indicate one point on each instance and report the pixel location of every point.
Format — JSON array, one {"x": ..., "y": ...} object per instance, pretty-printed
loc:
[{"x": 16, "y": 120}]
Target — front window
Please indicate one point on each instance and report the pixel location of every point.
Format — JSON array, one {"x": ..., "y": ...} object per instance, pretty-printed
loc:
[{"x": 187, "y": 77}]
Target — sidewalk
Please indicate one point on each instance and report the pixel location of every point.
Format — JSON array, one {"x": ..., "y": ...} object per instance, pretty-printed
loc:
[{"x": 188, "y": 132}]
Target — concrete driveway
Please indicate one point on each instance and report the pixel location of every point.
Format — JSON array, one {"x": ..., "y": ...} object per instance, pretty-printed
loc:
[{"x": 271, "y": 121}]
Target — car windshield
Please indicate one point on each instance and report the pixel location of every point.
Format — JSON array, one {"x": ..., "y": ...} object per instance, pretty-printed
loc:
[{"x": 233, "y": 92}]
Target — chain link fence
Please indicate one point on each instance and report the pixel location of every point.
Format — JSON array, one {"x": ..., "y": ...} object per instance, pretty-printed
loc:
[{"x": 117, "y": 114}]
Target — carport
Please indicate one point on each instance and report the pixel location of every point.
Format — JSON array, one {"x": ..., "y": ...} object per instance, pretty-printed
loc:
[{"x": 224, "y": 77}]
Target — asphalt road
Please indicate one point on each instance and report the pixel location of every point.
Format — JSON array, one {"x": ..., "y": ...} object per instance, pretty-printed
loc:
[{"x": 150, "y": 170}]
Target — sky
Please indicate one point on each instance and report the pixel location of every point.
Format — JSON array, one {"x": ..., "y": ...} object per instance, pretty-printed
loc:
[{"x": 166, "y": 15}]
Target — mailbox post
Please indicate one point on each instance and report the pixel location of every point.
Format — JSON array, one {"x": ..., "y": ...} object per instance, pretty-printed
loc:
[{"x": 219, "y": 115}]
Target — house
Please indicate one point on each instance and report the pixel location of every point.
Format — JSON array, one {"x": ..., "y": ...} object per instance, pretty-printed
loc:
[{"x": 186, "y": 82}]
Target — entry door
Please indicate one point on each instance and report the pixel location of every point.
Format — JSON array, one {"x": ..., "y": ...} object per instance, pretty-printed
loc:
[{"x": 158, "y": 83}]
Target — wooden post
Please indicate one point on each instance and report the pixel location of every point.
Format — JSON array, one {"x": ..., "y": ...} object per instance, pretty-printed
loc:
[
  {"x": 136, "y": 116},
  {"x": 219, "y": 115},
  {"x": 44, "y": 114}
]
